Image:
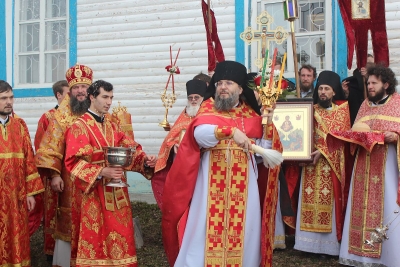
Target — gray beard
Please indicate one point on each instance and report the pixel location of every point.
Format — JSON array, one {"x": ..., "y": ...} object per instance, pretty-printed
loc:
[
  {"x": 78, "y": 108},
  {"x": 226, "y": 104},
  {"x": 191, "y": 111}
]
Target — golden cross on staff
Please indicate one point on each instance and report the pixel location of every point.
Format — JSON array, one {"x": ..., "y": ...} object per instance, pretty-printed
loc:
[{"x": 265, "y": 35}]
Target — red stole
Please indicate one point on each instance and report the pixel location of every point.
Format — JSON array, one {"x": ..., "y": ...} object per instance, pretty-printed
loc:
[{"x": 357, "y": 31}]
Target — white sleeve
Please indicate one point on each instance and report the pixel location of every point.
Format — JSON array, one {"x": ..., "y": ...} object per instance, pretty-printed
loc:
[
  {"x": 205, "y": 135},
  {"x": 264, "y": 143}
]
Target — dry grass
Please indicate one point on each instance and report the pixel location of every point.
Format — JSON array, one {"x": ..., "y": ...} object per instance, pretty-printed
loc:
[{"x": 152, "y": 253}]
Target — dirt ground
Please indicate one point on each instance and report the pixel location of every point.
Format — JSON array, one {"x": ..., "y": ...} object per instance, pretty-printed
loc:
[{"x": 152, "y": 253}]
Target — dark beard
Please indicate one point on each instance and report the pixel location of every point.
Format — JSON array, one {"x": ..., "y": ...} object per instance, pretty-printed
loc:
[
  {"x": 304, "y": 88},
  {"x": 78, "y": 108},
  {"x": 5, "y": 113},
  {"x": 325, "y": 103},
  {"x": 226, "y": 104},
  {"x": 377, "y": 97}
]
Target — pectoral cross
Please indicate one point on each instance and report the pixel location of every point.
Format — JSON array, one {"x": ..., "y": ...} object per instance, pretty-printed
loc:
[{"x": 265, "y": 35}]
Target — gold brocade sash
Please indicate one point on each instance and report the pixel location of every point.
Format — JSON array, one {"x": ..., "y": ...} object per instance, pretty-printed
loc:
[
  {"x": 317, "y": 198},
  {"x": 367, "y": 200},
  {"x": 226, "y": 205}
]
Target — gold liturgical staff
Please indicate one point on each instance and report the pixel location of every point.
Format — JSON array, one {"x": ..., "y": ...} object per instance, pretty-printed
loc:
[
  {"x": 169, "y": 99},
  {"x": 269, "y": 88}
]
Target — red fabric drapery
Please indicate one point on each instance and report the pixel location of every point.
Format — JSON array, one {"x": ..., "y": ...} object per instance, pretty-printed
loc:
[
  {"x": 357, "y": 33},
  {"x": 215, "y": 51}
]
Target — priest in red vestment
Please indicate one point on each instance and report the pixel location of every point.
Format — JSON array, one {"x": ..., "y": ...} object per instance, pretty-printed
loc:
[
  {"x": 102, "y": 221},
  {"x": 60, "y": 90},
  {"x": 19, "y": 182},
  {"x": 323, "y": 182},
  {"x": 211, "y": 207},
  {"x": 195, "y": 91},
  {"x": 374, "y": 196},
  {"x": 50, "y": 157}
]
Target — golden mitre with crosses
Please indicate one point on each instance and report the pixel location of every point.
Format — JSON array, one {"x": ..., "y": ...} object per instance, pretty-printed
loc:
[{"x": 123, "y": 119}]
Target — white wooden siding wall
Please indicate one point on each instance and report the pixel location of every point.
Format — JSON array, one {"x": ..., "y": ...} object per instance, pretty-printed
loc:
[
  {"x": 393, "y": 30},
  {"x": 392, "y": 8},
  {"x": 127, "y": 43}
]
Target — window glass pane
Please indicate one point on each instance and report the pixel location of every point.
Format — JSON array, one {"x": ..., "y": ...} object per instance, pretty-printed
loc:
[
  {"x": 56, "y": 8},
  {"x": 29, "y": 69},
  {"x": 29, "y": 10},
  {"x": 311, "y": 32},
  {"x": 29, "y": 37},
  {"x": 276, "y": 11},
  {"x": 55, "y": 67},
  {"x": 56, "y": 35},
  {"x": 311, "y": 16},
  {"x": 311, "y": 50}
]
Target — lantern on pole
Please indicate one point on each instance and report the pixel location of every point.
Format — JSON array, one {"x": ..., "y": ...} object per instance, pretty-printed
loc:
[
  {"x": 291, "y": 13},
  {"x": 291, "y": 10}
]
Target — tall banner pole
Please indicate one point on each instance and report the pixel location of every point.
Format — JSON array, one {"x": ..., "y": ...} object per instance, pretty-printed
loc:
[
  {"x": 296, "y": 64},
  {"x": 290, "y": 8}
]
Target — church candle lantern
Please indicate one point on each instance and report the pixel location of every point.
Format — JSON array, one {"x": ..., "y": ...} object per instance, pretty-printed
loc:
[
  {"x": 291, "y": 13},
  {"x": 290, "y": 9}
]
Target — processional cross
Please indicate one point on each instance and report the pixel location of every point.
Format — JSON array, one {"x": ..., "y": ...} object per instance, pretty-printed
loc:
[{"x": 265, "y": 35}]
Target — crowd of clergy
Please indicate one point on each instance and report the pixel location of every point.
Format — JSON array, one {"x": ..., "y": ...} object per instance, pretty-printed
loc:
[{"x": 226, "y": 194}]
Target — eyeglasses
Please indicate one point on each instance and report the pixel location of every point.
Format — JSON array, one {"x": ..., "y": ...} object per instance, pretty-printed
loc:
[
  {"x": 191, "y": 98},
  {"x": 227, "y": 83}
]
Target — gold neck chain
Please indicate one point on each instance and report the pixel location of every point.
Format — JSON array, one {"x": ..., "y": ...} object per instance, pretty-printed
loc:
[{"x": 243, "y": 129}]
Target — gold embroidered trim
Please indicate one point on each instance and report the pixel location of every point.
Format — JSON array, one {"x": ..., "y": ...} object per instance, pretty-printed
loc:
[
  {"x": 32, "y": 176},
  {"x": 269, "y": 131},
  {"x": 108, "y": 262},
  {"x": 379, "y": 117},
  {"x": 224, "y": 132},
  {"x": 11, "y": 155},
  {"x": 23, "y": 263},
  {"x": 35, "y": 193}
]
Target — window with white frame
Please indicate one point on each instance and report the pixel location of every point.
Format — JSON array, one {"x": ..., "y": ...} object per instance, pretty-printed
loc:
[
  {"x": 41, "y": 42},
  {"x": 312, "y": 30}
]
